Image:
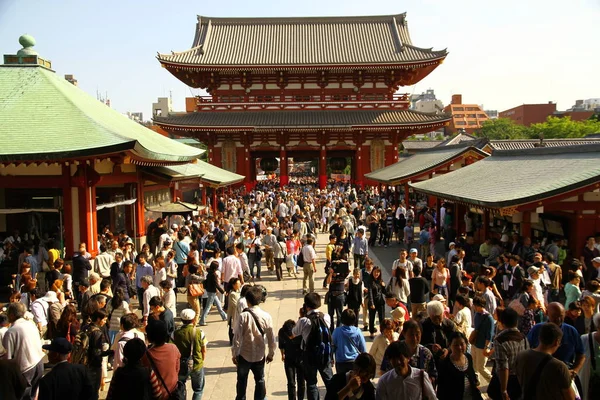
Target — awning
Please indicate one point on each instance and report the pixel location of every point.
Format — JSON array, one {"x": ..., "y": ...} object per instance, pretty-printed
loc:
[
  {"x": 27, "y": 210},
  {"x": 115, "y": 204},
  {"x": 177, "y": 208}
]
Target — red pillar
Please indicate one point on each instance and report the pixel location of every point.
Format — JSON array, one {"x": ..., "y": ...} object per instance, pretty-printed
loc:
[
  {"x": 283, "y": 167},
  {"x": 67, "y": 213},
  {"x": 87, "y": 218},
  {"x": 323, "y": 168},
  {"x": 140, "y": 208},
  {"x": 214, "y": 201},
  {"x": 526, "y": 224},
  {"x": 204, "y": 189},
  {"x": 249, "y": 181},
  {"x": 360, "y": 175}
]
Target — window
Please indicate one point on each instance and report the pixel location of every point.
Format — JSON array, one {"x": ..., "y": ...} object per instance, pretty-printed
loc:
[
  {"x": 460, "y": 123},
  {"x": 471, "y": 115},
  {"x": 458, "y": 108},
  {"x": 482, "y": 116},
  {"x": 302, "y": 98},
  {"x": 472, "y": 108},
  {"x": 264, "y": 99},
  {"x": 373, "y": 97},
  {"x": 337, "y": 97},
  {"x": 472, "y": 122},
  {"x": 230, "y": 99},
  {"x": 459, "y": 115}
]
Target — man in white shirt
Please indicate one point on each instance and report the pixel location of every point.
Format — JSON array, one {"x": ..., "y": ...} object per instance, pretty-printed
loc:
[
  {"x": 253, "y": 245},
  {"x": 103, "y": 261},
  {"x": 403, "y": 382},
  {"x": 405, "y": 263},
  {"x": 249, "y": 345},
  {"x": 232, "y": 268},
  {"x": 309, "y": 267},
  {"x": 40, "y": 310},
  {"x": 149, "y": 292},
  {"x": 23, "y": 344}
]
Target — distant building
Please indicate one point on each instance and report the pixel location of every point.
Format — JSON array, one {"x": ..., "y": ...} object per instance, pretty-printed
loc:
[
  {"x": 426, "y": 102},
  {"x": 162, "y": 107},
  {"x": 135, "y": 116},
  {"x": 466, "y": 118},
  {"x": 575, "y": 115},
  {"x": 527, "y": 114},
  {"x": 71, "y": 79},
  {"x": 586, "y": 105},
  {"x": 492, "y": 114}
]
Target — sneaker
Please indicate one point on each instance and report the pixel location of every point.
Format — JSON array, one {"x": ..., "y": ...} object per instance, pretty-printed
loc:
[
  {"x": 202, "y": 324},
  {"x": 365, "y": 328}
]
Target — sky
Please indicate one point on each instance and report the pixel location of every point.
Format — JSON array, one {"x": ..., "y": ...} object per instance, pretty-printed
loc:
[{"x": 501, "y": 53}]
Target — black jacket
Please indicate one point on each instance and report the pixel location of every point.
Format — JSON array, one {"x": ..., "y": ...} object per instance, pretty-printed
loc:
[
  {"x": 434, "y": 334},
  {"x": 130, "y": 383},
  {"x": 67, "y": 381},
  {"x": 80, "y": 267},
  {"x": 451, "y": 381}
]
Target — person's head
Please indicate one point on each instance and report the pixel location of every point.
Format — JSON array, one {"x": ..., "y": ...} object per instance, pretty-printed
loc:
[
  {"x": 348, "y": 317},
  {"x": 592, "y": 286},
  {"x": 146, "y": 281},
  {"x": 458, "y": 343},
  {"x": 412, "y": 333},
  {"x": 441, "y": 264},
  {"x": 312, "y": 301},
  {"x": 399, "y": 355},
  {"x": 527, "y": 286},
  {"x": 133, "y": 351},
  {"x": 105, "y": 285},
  {"x": 364, "y": 367},
  {"x": 157, "y": 332},
  {"x": 588, "y": 305},
  {"x": 391, "y": 299},
  {"x": 360, "y": 232},
  {"x": 156, "y": 305},
  {"x": 235, "y": 283},
  {"x": 462, "y": 301},
  {"x": 253, "y": 296},
  {"x": 590, "y": 241},
  {"x": 483, "y": 283},
  {"x": 402, "y": 255},
  {"x": 15, "y": 297},
  {"x": 574, "y": 278},
  {"x": 376, "y": 273},
  {"x": 58, "y": 350},
  {"x": 15, "y": 311},
  {"x": 413, "y": 253},
  {"x": 435, "y": 311},
  {"x": 509, "y": 318},
  {"x": 309, "y": 241},
  {"x": 187, "y": 316},
  {"x": 479, "y": 304},
  {"x": 356, "y": 273},
  {"x": 574, "y": 310},
  {"x": 513, "y": 260},
  {"x": 388, "y": 327},
  {"x": 550, "y": 336},
  {"x": 165, "y": 285},
  {"x": 118, "y": 257},
  {"x": 556, "y": 313},
  {"x": 99, "y": 317}
]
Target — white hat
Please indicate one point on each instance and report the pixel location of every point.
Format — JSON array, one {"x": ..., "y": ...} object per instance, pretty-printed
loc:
[
  {"x": 596, "y": 260},
  {"x": 452, "y": 244},
  {"x": 188, "y": 314},
  {"x": 504, "y": 238},
  {"x": 398, "y": 314},
  {"x": 50, "y": 297},
  {"x": 174, "y": 227},
  {"x": 438, "y": 297}
]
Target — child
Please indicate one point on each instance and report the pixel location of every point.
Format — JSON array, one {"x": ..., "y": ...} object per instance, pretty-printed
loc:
[
  {"x": 409, "y": 233},
  {"x": 354, "y": 291},
  {"x": 329, "y": 249},
  {"x": 527, "y": 321},
  {"x": 468, "y": 286},
  {"x": 291, "y": 354}
]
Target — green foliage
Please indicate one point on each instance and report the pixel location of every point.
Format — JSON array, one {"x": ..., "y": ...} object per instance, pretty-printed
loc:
[{"x": 552, "y": 128}]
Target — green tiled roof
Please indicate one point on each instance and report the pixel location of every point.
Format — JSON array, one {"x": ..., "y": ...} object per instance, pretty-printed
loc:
[
  {"x": 511, "y": 178},
  {"x": 273, "y": 119},
  {"x": 43, "y": 117},
  {"x": 302, "y": 41},
  {"x": 203, "y": 170},
  {"x": 420, "y": 163}
]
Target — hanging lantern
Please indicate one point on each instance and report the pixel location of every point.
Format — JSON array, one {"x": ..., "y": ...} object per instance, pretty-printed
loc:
[
  {"x": 338, "y": 164},
  {"x": 269, "y": 164}
]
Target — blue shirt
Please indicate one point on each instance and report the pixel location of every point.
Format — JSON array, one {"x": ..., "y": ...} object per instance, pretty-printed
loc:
[
  {"x": 141, "y": 271},
  {"x": 32, "y": 260},
  {"x": 484, "y": 324},
  {"x": 569, "y": 346},
  {"x": 181, "y": 252},
  {"x": 348, "y": 343},
  {"x": 361, "y": 246},
  {"x": 424, "y": 237}
]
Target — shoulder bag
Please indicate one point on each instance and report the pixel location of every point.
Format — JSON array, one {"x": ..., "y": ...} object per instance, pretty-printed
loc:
[
  {"x": 260, "y": 329},
  {"x": 196, "y": 290},
  {"x": 190, "y": 361},
  {"x": 178, "y": 393},
  {"x": 473, "y": 335},
  {"x": 531, "y": 388}
]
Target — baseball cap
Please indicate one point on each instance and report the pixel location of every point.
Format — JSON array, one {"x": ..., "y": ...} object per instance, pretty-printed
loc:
[
  {"x": 188, "y": 314},
  {"x": 452, "y": 244},
  {"x": 532, "y": 270},
  {"x": 596, "y": 260},
  {"x": 398, "y": 314},
  {"x": 413, "y": 250},
  {"x": 50, "y": 297},
  {"x": 59, "y": 345},
  {"x": 438, "y": 297},
  {"x": 174, "y": 227}
]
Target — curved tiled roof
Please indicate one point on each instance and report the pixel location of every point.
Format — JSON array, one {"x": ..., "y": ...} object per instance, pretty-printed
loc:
[
  {"x": 44, "y": 117},
  {"x": 300, "y": 119},
  {"x": 302, "y": 41},
  {"x": 515, "y": 177},
  {"x": 521, "y": 144}
]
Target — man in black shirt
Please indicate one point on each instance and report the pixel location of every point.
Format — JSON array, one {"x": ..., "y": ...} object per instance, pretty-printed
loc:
[
  {"x": 419, "y": 287},
  {"x": 158, "y": 311},
  {"x": 291, "y": 354}
]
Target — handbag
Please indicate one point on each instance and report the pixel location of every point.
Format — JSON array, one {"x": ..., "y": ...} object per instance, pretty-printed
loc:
[
  {"x": 196, "y": 290},
  {"x": 473, "y": 335},
  {"x": 178, "y": 393}
]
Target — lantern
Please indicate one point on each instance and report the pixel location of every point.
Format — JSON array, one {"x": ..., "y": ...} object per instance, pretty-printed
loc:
[
  {"x": 338, "y": 164},
  {"x": 269, "y": 164}
]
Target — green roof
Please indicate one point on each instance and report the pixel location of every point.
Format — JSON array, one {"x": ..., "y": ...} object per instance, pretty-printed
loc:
[
  {"x": 516, "y": 177},
  {"x": 200, "y": 169},
  {"x": 421, "y": 163},
  {"x": 43, "y": 117},
  {"x": 305, "y": 41}
]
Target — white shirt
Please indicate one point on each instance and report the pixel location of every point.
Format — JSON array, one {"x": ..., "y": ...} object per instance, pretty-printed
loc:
[
  {"x": 102, "y": 264},
  {"x": 39, "y": 309},
  {"x": 391, "y": 386},
  {"x": 22, "y": 343},
  {"x": 232, "y": 267},
  {"x": 2, "y": 349},
  {"x": 159, "y": 276},
  {"x": 309, "y": 254},
  {"x": 148, "y": 294},
  {"x": 302, "y": 328},
  {"x": 407, "y": 265},
  {"x": 247, "y": 339}
]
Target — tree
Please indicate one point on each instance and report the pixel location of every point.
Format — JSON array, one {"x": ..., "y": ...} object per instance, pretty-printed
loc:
[
  {"x": 502, "y": 128},
  {"x": 555, "y": 128}
]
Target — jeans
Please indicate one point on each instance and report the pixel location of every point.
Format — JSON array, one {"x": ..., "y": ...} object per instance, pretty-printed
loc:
[
  {"x": 33, "y": 377},
  {"x": 258, "y": 370},
  {"x": 111, "y": 336},
  {"x": 310, "y": 374},
  {"x": 379, "y": 309},
  {"x": 359, "y": 261},
  {"x": 336, "y": 305},
  {"x": 308, "y": 280},
  {"x": 252, "y": 261},
  {"x": 269, "y": 258},
  {"x": 140, "y": 297},
  {"x": 95, "y": 374},
  {"x": 278, "y": 270},
  {"x": 295, "y": 376},
  {"x": 212, "y": 298},
  {"x": 197, "y": 379}
]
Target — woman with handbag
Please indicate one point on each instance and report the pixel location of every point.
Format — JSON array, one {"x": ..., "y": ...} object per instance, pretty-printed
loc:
[
  {"x": 194, "y": 287},
  {"x": 164, "y": 360},
  {"x": 456, "y": 375},
  {"x": 212, "y": 286}
]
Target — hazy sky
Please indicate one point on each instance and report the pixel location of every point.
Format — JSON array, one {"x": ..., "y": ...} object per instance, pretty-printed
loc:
[{"x": 502, "y": 53}]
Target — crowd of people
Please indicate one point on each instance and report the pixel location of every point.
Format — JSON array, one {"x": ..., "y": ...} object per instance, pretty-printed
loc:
[{"x": 435, "y": 318}]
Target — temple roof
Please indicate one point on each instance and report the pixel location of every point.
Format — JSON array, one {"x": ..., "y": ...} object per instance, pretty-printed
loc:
[
  {"x": 518, "y": 144},
  {"x": 305, "y": 119},
  {"x": 518, "y": 176},
  {"x": 43, "y": 117},
  {"x": 204, "y": 171},
  {"x": 302, "y": 41},
  {"x": 421, "y": 163}
]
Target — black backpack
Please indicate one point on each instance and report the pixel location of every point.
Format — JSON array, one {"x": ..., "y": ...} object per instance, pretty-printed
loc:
[{"x": 318, "y": 348}]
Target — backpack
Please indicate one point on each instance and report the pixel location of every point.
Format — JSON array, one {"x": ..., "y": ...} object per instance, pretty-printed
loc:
[
  {"x": 318, "y": 346},
  {"x": 300, "y": 259},
  {"x": 81, "y": 346}
]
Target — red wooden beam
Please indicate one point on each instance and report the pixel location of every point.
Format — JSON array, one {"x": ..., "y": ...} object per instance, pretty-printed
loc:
[{"x": 24, "y": 182}]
